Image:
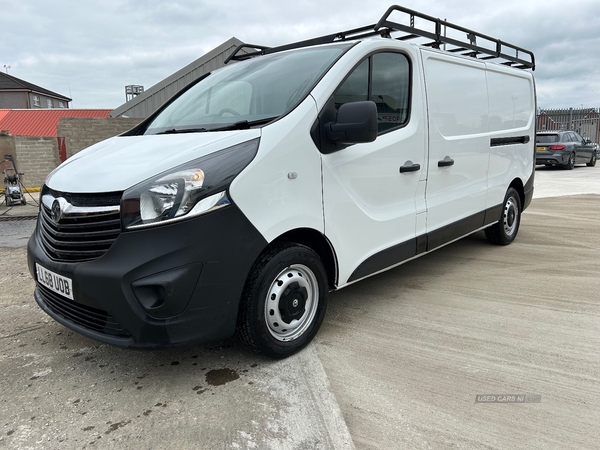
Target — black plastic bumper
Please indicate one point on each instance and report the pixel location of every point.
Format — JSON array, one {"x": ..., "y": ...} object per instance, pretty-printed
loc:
[
  {"x": 159, "y": 286},
  {"x": 554, "y": 159}
]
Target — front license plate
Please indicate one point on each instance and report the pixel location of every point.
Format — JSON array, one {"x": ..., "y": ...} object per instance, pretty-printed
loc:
[
  {"x": 57, "y": 283},
  {"x": 540, "y": 149}
]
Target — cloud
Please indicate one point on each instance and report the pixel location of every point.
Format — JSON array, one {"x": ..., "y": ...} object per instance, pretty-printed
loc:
[{"x": 94, "y": 49}]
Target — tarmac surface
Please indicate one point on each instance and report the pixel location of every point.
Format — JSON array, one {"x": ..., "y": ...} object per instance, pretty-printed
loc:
[{"x": 399, "y": 362}]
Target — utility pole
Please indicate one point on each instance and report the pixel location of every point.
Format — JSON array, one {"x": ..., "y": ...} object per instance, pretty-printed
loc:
[{"x": 6, "y": 68}]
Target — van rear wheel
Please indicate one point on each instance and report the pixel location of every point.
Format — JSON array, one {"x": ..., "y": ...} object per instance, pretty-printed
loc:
[
  {"x": 283, "y": 302},
  {"x": 505, "y": 230}
]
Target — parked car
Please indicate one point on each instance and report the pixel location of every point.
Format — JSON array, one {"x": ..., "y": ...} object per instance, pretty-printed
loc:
[
  {"x": 245, "y": 199},
  {"x": 564, "y": 148}
]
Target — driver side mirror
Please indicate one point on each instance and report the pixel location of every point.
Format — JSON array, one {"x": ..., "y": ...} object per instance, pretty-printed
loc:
[{"x": 355, "y": 123}]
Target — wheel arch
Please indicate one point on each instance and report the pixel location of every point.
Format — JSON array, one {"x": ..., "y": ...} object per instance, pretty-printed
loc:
[
  {"x": 517, "y": 184},
  {"x": 317, "y": 242}
]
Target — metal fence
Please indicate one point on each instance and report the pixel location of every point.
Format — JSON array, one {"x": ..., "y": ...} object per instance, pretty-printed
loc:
[{"x": 585, "y": 121}]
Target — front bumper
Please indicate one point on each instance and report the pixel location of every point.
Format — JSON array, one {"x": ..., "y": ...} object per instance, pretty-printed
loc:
[{"x": 157, "y": 287}]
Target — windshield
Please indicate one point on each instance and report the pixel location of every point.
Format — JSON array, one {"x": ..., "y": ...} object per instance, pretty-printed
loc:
[{"x": 247, "y": 93}]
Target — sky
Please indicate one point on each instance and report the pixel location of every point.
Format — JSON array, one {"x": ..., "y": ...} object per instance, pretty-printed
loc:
[{"x": 90, "y": 50}]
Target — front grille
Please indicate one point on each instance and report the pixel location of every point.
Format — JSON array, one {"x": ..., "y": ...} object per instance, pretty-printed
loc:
[
  {"x": 103, "y": 199},
  {"x": 84, "y": 234},
  {"x": 82, "y": 315}
]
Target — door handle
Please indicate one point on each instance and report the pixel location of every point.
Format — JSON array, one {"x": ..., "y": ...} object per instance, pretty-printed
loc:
[
  {"x": 410, "y": 167},
  {"x": 447, "y": 161}
]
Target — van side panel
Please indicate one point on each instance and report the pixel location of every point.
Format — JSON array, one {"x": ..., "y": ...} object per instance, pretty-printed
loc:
[
  {"x": 512, "y": 115},
  {"x": 458, "y": 132},
  {"x": 281, "y": 188}
]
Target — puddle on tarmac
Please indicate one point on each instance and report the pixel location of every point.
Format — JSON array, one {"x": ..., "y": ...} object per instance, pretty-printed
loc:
[{"x": 218, "y": 377}]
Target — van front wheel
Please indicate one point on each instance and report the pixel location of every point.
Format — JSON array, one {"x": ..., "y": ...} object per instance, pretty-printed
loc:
[
  {"x": 283, "y": 302},
  {"x": 505, "y": 230}
]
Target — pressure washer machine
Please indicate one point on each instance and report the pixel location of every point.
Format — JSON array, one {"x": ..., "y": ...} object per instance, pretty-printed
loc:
[{"x": 13, "y": 186}]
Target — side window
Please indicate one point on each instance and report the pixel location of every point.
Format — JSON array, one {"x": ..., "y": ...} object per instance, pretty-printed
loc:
[
  {"x": 383, "y": 78},
  {"x": 390, "y": 89},
  {"x": 567, "y": 137},
  {"x": 577, "y": 138},
  {"x": 355, "y": 88}
]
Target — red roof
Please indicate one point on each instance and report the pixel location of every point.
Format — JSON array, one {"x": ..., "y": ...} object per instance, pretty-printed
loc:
[{"x": 41, "y": 122}]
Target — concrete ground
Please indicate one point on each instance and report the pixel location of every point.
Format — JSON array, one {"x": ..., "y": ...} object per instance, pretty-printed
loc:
[
  {"x": 408, "y": 351},
  {"x": 398, "y": 363}
]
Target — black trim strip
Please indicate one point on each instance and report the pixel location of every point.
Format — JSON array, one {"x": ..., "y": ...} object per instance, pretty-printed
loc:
[
  {"x": 385, "y": 258},
  {"x": 421, "y": 244},
  {"x": 497, "y": 142},
  {"x": 528, "y": 191},
  {"x": 492, "y": 215},
  {"x": 454, "y": 230},
  {"x": 425, "y": 243}
]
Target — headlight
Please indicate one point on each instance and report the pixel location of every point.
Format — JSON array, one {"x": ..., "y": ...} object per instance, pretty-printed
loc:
[{"x": 186, "y": 191}]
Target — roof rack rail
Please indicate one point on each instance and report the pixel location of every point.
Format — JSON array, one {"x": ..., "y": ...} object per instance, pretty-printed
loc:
[
  {"x": 511, "y": 54},
  {"x": 489, "y": 48},
  {"x": 357, "y": 33}
]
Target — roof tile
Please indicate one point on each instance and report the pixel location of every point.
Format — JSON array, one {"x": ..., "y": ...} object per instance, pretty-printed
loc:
[
  {"x": 41, "y": 122},
  {"x": 8, "y": 82}
]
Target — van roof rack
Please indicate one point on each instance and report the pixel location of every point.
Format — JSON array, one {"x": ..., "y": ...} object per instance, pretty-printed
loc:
[{"x": 437, "y": 36}]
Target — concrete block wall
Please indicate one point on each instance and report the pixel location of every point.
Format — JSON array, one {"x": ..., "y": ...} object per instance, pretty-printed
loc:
[
  {"x": 36, "y": 158},
  {"x": 80, "y": 133},
  {"x": 7, "y": 147}
]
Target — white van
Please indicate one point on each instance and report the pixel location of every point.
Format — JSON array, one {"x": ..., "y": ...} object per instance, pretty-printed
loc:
[{"x": 288, "y": 173}]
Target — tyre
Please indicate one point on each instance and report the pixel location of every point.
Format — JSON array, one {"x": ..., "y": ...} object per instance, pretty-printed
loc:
[
  {"x": 592, "y": 162},
  {"x": 283, "y": 302},
  {"x": 505, "y": 230},
  {"x": 571, "y": 163}
]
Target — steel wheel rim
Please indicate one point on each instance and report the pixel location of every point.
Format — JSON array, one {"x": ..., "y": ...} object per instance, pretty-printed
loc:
[
  {"x": 295, "y": 283},
  {"x": 511, "y": 216}
]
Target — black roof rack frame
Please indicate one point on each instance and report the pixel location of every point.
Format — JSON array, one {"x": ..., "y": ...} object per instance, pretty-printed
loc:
[
  {"x": 258, "y": 50},
  {"x": 500, "y": 51}
]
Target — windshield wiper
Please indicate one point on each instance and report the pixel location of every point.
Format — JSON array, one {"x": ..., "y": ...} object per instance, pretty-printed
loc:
[
  {"x": 244, "y": 124},
  {"x": 182, "y": 130},
  {"x": 241, "y": 125}
]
